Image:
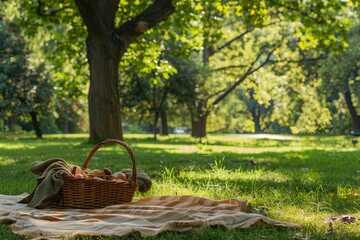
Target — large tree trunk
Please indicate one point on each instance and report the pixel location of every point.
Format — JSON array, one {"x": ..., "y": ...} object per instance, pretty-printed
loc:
[
  {"x": 105, "y": 46},
  {"x": 36, "y": 124},
  {"x": 355, "y": 117},
  {"x": 104, "y": 100}
]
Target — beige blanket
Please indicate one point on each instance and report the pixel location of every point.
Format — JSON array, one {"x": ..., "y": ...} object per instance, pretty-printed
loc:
[{"x": 148, "y": 216}]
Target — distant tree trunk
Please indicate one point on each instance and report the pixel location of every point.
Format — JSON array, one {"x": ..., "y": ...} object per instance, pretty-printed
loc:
[
  {"x": 164, "y": 123},
  {"x": 255, "y": 113},
  {"x": 156, "y": 120},
  {"x": 199, "y": 114},
  {"x": 2, "y": 124},
  {"x": 12, "y": 122},
  {"x": 254, "y": 109},
  {"x": 355, "y": 117},
  {"x": 198, "y": 126},
  {"x": 36, "y": 124},
  {"x": 66, "y": 123}
]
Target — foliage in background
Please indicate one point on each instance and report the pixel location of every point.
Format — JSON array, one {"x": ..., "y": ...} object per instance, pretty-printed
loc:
[
  {"x": 234, "y": 39},
  {"x": 201, "y": 51},
  {"x": 26, "y": 86},
  {"x": 341, "y": 76},
  {"x": 55, "y": 44}
]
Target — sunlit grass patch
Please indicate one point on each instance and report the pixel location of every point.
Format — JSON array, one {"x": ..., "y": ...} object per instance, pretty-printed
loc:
[
  {"x": 302, "y": 180},
  {"x": 6, "y": 161}
]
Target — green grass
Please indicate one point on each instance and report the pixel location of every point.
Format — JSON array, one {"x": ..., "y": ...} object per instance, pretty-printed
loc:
[{"x": 303, "y": 180}]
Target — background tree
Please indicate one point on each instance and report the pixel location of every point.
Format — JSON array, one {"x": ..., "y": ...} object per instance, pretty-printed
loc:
[
  {"x": 105, "y": 46},
  {"x": 25, "y": 86},
  {"x": 236, "y": 44},
  {"x": 110, "y": 27},
  {"x": 341, "y": 73},
  {"x": 224, "y": 27},
  {"x": 149, "y": 94},
  {"x": 209, "y": 32},
  {"x": 12, "y": 69}
]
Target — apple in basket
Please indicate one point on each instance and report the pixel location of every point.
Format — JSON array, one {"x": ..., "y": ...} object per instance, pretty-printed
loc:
[
  {"x": 96, "y": 172},
  {"x": 119, "y": 176},
  {"x": 107, "y": 172},
  {"x": 79, "y": 175}
]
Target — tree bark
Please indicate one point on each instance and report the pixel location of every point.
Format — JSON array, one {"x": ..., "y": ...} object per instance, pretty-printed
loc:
[
  {"x": 254, "y": 109},
  {"x": 105, "y": 46},
  {"x": 164, "y": 123},
  {"x": 256, "y": 118},
  {"x": 104, "y": 98},
  {"x": 355, "y": 117},
  {"x": 12, "y": 122},
  {"x": 36, "y": 124},
  {"x": 156, "y": 119},
  {"x": 198, "y": 126},
  {"x": 66, "y": 118}
]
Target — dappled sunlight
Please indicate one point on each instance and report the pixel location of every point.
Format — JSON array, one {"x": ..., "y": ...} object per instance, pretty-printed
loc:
[
  {"x": 16, "y": 146},
  {"x": 237, "y": 149},
  {"x": 68, "y": 135},
  {"x": 6, "y": 161},
  {"x": 222, "y": 77},
  {"x": 188, "y": 148},
  {"x": 302, "y": 215},
  {"x": 262, "y": 136},
  {"x": 308, "y": 176},
  {"x": 154, "y": 146},
  {"x": 303, "y": 180},
  {"x": 233, "y": 175}
]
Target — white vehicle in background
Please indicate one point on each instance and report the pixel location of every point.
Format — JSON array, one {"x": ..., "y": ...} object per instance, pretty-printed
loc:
[{"x": 179, "y": 130}]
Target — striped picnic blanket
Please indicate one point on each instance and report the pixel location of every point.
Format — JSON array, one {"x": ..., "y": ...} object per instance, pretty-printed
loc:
[{"x": 148, "y": 216}]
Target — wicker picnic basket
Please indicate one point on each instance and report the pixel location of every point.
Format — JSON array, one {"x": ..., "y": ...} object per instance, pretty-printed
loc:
[{"x": 98, "y": 193}]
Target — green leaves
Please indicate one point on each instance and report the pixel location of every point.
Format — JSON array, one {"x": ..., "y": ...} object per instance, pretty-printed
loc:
[
  {"x": 215, "y": 43},
  {"x": 24, "y": 84}
]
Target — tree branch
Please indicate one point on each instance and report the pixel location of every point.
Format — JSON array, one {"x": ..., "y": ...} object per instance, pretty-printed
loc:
[
  {"x": 157, "y": 12},
  {"x": 227, "y": 44},
  {"x": 215, "y": 94},
  {"x": 321, "y": 57},
  {"x": 319, "y": 20},
  {"x": 250, "y": 70},
  {"x": 98, "y": 16},
  {"x": 230, "y": 67},
  {"x": 48, "y": 13}
]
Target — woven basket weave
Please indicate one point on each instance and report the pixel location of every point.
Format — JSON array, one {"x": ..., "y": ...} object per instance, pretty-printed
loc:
[{"x": 98, "y": 193}]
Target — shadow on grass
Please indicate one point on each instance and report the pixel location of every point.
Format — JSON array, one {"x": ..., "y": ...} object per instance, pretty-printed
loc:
[
  {"x": 206, "y": 233},
  {"x": 303, "y": 170}
]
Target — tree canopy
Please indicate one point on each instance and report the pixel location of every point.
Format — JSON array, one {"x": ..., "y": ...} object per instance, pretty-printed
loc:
[{"x": 204, "y": 50}]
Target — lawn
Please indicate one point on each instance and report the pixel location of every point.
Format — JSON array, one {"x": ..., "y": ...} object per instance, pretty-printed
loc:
[{"x": 303, "y": 179}]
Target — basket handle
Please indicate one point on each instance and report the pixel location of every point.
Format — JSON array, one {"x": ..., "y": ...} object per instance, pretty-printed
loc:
[{"x": 125, "y": 145}]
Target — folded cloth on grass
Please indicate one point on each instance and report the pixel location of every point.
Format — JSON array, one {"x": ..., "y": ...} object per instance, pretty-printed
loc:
[
  {"x": 148, "y": 216},
  {"x": 142, "y": 179},
  {"x": 49, "y": 182}
]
